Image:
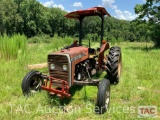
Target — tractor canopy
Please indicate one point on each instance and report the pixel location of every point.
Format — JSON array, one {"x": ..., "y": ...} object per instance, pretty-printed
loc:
[
  {"x": 81, "y": 14},
  {"x": 95, "y": 11}
]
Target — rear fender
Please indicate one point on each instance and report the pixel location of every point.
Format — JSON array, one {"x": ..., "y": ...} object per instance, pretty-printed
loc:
[{"x": 104, "y": 47}]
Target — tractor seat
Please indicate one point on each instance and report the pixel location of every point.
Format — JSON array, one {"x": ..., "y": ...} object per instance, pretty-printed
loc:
[{"x": 91, "y": 51}]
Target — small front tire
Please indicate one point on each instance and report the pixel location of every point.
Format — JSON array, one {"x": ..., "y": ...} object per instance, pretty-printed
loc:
[
  {"x": 32, "y": 82},
  {"x": 103, "y": 97}
]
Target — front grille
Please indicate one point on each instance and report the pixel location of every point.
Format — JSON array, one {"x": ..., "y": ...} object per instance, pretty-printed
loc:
[{"x": 58, "y": 61}]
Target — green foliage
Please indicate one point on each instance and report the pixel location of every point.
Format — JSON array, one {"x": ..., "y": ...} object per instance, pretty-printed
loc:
[
  {"x": 11, "y": 47},
  {"x": 40, "y": 39},
  {"x": 58, "y": 43},
  {"x": 139, "y": 86},
  {"x": 89, "y": 36},
  {"x": 151, "y": 10},
  {"x": 113, "y": 41},
  {"x": 31, "y": 18}
]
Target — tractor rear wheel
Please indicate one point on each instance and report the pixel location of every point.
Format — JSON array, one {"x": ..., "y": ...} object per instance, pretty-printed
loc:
[
  {"x": 114, "y": 65},
  {"x": 32, "y": 82},
  {"x": 103, "y": 97}
]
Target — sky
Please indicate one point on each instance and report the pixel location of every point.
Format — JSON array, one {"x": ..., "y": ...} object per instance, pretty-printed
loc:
[{"x": 120, "y": 9}]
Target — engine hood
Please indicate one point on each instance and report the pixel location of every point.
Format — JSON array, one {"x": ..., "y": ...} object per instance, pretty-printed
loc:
[{"x": 77, "y": 54}]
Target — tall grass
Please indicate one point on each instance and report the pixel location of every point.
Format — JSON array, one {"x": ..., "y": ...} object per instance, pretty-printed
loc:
[
  {"x": 10, "y": 47},
  {"x": 58, "y": 42},
  {"x": 140, "y": 69},
  {"x": 41, "y": 50}
]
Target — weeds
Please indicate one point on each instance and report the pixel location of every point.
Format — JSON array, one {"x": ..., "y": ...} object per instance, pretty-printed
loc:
[
  {"x": 10, "y": 47},
  {"x": 140, "y": 70}
]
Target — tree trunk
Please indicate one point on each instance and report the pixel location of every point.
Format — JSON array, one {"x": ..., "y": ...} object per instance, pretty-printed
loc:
[{"x": 37, "y": 66}]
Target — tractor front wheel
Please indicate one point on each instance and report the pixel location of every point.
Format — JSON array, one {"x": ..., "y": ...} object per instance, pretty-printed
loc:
[
  {"x": 103, "y": 97},
  {"x": 32, "y": 82}
]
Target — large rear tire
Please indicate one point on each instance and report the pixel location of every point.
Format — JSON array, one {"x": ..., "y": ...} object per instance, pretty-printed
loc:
[
  {"x": 114, "y": 65},
  {"x": 32, "y": 82},
  {"x": 103, "y": 97}
]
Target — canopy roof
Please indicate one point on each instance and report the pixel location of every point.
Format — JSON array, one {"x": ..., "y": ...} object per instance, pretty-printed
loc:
[{"x": 95, "y": 11}]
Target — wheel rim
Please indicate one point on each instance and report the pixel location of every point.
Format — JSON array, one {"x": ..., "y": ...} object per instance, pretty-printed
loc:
[
  {"x": 107, "y": 97},
  {"x": 35, "y": 84}
]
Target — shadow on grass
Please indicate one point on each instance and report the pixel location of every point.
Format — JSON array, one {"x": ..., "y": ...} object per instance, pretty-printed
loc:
[
  {"x": 72, "y": 91},
  {"x": 143, "y": 48},
  {"x": 54, "y": 99}
]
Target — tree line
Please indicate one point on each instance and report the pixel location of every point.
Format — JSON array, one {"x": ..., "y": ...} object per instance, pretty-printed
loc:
[
  {"x": 150, "y": 11},
  {"x": 31, "y": 18}
]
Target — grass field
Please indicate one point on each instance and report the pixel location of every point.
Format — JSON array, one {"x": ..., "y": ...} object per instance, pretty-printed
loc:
[{"x": 139, "y": 86}]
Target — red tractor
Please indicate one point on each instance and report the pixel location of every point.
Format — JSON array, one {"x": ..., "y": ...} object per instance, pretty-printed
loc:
[{"x": 77, "y": 64}]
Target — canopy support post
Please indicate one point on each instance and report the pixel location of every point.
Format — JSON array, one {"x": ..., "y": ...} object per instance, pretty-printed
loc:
[
  {"x": 80, "y": 30},
  {"x": 102, "y": 28}
]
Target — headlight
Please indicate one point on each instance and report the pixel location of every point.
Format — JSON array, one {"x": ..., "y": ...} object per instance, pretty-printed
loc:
[
  {"x": 65, "y": 67},
  {"x": 52, "y": 66}
]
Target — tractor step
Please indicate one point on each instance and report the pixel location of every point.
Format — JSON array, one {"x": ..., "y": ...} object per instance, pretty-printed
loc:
[{"x": 93, "y": 82}]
